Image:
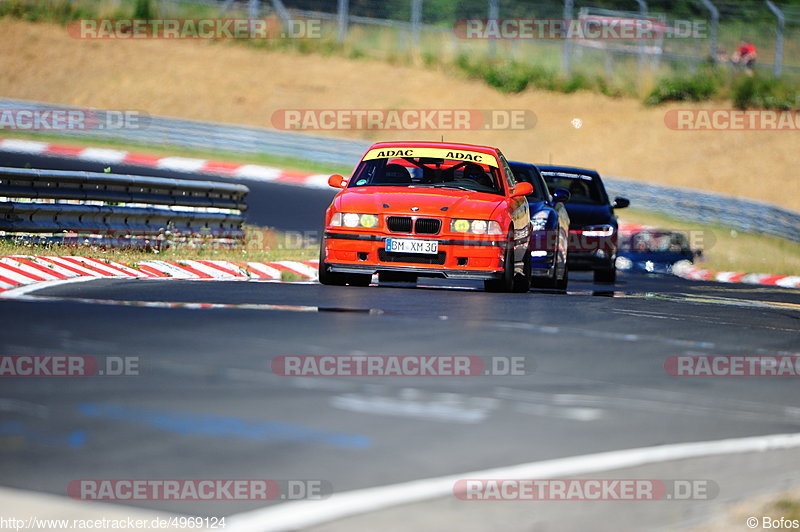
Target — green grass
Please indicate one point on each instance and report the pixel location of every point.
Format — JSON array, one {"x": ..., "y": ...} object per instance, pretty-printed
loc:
[
  {"x": 260, "y": 245},
  {"x": 700, "y": 86},
  {"x": 517, "y": 65},
  {"x": 725, "y": 249},
  {"x": 787, "y": 508},
  {"x": 758, "y": 92},
  {"x": 288, "y": 163}
]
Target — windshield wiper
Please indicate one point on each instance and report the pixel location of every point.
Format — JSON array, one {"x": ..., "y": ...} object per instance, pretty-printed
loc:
[{"x": 455, "y": 187}]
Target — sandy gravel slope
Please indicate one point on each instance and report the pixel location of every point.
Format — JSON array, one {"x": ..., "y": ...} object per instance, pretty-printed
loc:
[{"x": 233, "y": 83}]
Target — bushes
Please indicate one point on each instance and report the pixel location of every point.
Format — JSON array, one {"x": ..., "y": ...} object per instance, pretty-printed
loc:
[
  {"x": 514, "y": 77},
  {"x": 763, "y": 93},
  {"x": 60, "y": 11},
  {"x": 143, "y": 10},
  {"x": 507, "y": 76},
  {"x": 685, "y": 88},
  {"x": 746, "y": 92}
]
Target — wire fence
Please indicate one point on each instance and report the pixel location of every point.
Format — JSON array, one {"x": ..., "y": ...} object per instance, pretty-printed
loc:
[{"x": 688, "y": 33}]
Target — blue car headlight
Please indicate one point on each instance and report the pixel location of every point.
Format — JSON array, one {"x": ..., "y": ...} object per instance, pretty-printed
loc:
[{"x": 539, "y": 221}]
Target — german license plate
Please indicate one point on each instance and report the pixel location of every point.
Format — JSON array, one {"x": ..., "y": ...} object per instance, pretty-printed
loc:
[{"x": 410, "y": 245}]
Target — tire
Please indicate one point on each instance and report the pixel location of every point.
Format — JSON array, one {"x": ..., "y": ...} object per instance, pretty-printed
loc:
[
  {"x": 605, "y": 276},
  {"x": 522, "y": 283},
  {"x": 545, "y": 283},
  {"x": 562, "y": 284},
  {"x": 326, "y": 277},
  {"x": 506, "y": 283},
  {"x": 339, "y": 279}
]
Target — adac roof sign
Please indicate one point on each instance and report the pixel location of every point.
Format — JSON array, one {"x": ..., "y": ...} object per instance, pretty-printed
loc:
[{"x": 437, "y": 153}]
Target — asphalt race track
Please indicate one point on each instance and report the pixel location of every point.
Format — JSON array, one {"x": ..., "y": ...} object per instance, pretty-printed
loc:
[
  {"x": 206, "y": 404},
  {"x": 598, "y": 381}
]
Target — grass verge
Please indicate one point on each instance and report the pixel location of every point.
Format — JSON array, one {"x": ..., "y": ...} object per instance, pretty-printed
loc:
[
  {"x": 287, "y": 163},
  {"x": 725, "y": 249},
  {"x": 260, "y": 245}
]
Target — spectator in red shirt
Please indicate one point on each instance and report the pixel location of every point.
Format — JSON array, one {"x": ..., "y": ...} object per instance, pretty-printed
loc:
[{"x": 745, "y": 55}]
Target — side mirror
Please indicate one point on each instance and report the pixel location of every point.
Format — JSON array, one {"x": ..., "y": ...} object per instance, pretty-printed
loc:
[
  {"x": 697, "y": 253},
  {"x": 522, "y": 189},
  {"x": 337, "y": 181},
  {"x": 620, "y": 203},
  {"x": 561, "y": 195}
]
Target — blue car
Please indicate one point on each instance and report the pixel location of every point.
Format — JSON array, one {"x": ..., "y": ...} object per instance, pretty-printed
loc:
[
  {"x": 652, "y": 250},
  {"x": 550, "y": 229},
  {"x": 593, "y": 224}
]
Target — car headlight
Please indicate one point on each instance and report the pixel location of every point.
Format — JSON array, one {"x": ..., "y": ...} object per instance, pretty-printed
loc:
[
  {"x": 351, "y": 219},
  {"x": 623, "y": 263},
  {"x": 477, "y": 227},
  {"x": 539, "y": 221},
  {"x": 369, "y": 221},
  {"x": 598, "y": 230}
]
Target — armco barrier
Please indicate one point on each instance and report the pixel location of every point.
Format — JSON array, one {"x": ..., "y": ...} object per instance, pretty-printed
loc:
[
  {"x": 54, "y": 201},
  {"x": 690, "y": 205},
  {"x": 745, "y": 215},
  {"x": 195, "y": 134}
]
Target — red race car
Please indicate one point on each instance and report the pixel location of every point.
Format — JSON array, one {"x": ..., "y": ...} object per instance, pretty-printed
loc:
[{"x": 428, "y": 209}]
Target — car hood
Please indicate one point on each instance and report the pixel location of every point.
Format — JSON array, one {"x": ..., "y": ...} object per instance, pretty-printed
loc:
[
  {"x": 582, "y": 214},
  {"x": 429, "y": 201}
]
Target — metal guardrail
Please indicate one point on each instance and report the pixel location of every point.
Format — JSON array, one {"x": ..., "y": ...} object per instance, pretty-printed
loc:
[
  {"x": 200, "y": 135},
  {"x": 693, "y": 205},
  {"x": 55, "y": 201},
  {"x": 745, "y": 215}
]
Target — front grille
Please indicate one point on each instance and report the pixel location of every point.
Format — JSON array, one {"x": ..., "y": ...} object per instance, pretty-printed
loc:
[
  {"x": 416, "y": 258},
  {"x": 399, "y": 224},
  {"x": 427, "y": 226}
]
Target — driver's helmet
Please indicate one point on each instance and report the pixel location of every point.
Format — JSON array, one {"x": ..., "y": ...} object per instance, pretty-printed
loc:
[{"x": 475, "y": 172}]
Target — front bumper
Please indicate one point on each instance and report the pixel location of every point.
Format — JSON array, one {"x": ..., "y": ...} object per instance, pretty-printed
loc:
[
  {"x": 457, "y": 258},
  {"x": 586, "y": 260},
  {"x": 591, "y": 253}
]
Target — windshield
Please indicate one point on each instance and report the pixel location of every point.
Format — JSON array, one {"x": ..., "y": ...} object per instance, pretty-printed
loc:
[
  {"x": 528, "y": 174},
  {"x": 583, "y": 188},
  {"x": 427, "y": 172},
  {"x": 660, "y": 242}
]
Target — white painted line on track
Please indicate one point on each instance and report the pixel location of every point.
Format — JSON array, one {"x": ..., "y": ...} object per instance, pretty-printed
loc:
[
  {"x": 295, "y": 515},
  {"x": 27, "y": 289}
]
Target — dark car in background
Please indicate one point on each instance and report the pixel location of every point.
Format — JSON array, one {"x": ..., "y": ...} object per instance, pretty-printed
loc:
[
  {"x": 651, "y": 250},
  {"x": 593, "y": 225},
  {"x": 549, "y": 229}
]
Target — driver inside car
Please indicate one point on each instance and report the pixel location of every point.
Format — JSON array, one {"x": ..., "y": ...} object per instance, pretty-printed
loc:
[{"x": 474, "y": 172}]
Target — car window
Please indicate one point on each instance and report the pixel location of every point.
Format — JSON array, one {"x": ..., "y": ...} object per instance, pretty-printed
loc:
[
  {"x": 427, "y": 172},
  {"x": 512, "y": 182},
  {"x": 583, "y": 188},
  {"x": 527, "y": 173}
]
